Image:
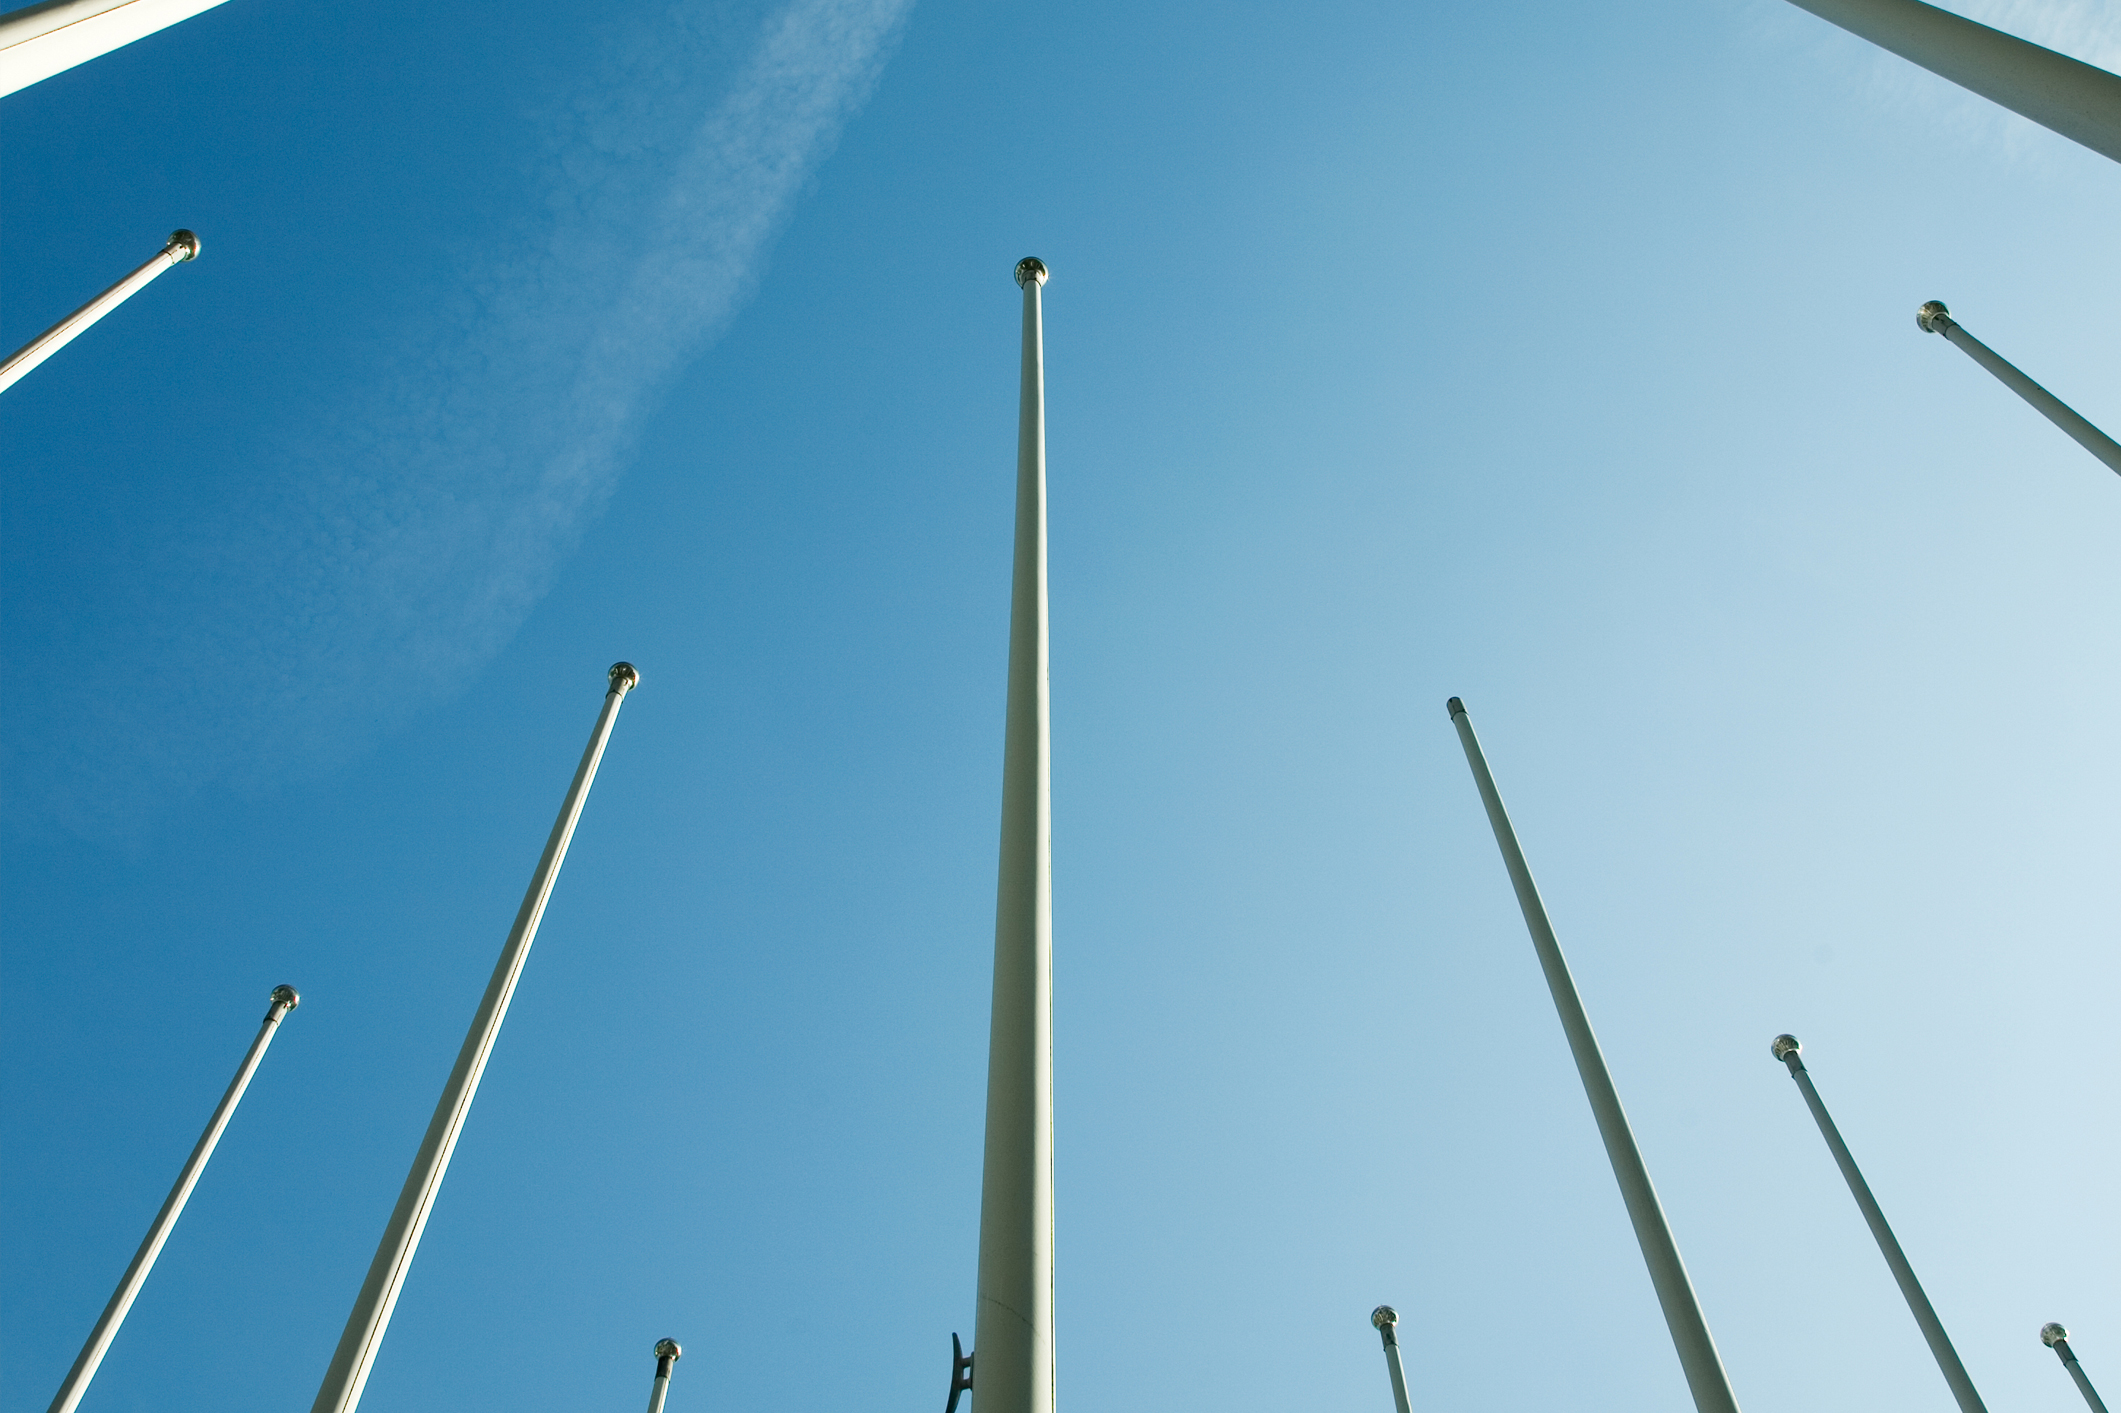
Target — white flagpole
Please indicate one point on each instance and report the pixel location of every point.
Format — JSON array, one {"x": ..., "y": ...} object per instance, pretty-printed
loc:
[
  {"x": 2073, "y": 98},
  {"x": 38, "y": 41},
  {"x": 181, "y": 246},
  {"x": 1013, "y": 1337},
  {"x": 1786, "y": 1049},
  {"x": 667, "y": 1355},
  {"x": 284, "y": 999},
  {"x": 2056, "y": 1338},
  {"x": 1934, "y": 318},
  {"x": 1386, "y": 1321},
  {"x": 370, "y": 1319},
  {"x": 1703, "y": 1366}
]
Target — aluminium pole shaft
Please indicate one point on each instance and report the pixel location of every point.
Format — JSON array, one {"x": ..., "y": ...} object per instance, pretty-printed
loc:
[
  {"x": 2057, "y": 1338},
  {"x": 1703, "y": 1366},
  {"x": 667, "y": 1354},
  {"x": 1934, "y": 318},
  {"x": 1386, "y": 1321},
  {"x": 1013, "y": 1334},
  {"x": 181, "y": 246},
  {"x": 2073, "y": 98},
  {"x": 1786, "y": 1049},
  {"x": 38, "y": 41},
  {"x": 355, "y": 1356},
  {"x": 284, "y": 999}
]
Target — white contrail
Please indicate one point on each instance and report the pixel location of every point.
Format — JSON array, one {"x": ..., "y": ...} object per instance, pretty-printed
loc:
[{"x": 407, "y": 544}]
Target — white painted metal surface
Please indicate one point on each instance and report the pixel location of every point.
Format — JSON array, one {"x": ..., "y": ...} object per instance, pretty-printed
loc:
[
  {"x": 1703, "y": 1366},
  {"x": 1934, "y": 318},
  {"x": 366, "y": 1326},
  {"x": 182, "y": 246},
  {"x": 41, "y": 40},
  {"x": 2073, "y": 98},
  {"x": 1013, "y": 1340},
  {"x": 284, "y": 999}
]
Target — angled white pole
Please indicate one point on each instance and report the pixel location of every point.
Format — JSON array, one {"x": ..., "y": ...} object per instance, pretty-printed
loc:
[
  {"x": 667, "y": 1355},
  {"x": 90, "y": 1359},
  {"x": 38, "y": 41},
  {"x": 1786, "y": 1049},
  {"x": 2073, "y": 98},
  {"x": 1698, "y": 1358},
  {"x": 1386, "y": 1321},
  {"x": 182, "y": 246},
  {"x": 1934, "y": 318},
  {"x": 2056, "y": 1338},
  {"x": 1013, "y": 1336},
  {"x": 370, "y": 1319}
]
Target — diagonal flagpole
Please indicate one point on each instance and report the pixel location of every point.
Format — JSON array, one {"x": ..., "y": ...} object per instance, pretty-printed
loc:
[
  {"x": 1786, "y": 1049},
  {"x": 667, "y": 1354},
  {"x": 1013, "y": 1336},
  {"x": 180, "y": 247},
  {"x": 1703, "y": 1366},
  {"x": 1934, "y": 318},
  {"x": 2057, "y": 1338},
  {"x": 370, "y": 1319},
  {"x": 2068, "y": 96},
  {"x": 284, "y": 999},
  {"x": 1385, "y": 1320}
]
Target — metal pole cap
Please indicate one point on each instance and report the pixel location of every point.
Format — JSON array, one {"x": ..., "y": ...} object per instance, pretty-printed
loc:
[
  {"x": 1384, "y": 1315},
  {"x": 1933, "y": 317},
  {"x": 183, "y": 245},
  {"x": 668, "y": 1349},
  {"x": 1784, "y": 1047},
  {"x": 624, "y": 677},
  {"x": 286, "y": 996},
  {"x": 1454, "y": 708},
  {"x": 1028, "y": 269},
  {"x": 2052, "y": 1334}
]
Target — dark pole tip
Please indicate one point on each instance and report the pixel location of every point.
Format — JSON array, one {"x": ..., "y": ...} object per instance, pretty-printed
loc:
[
  {"x": 183, "y": 245},
  {"x": 1455, "y": 707},
  {"x": 1933, "y": 317},
  {"x": 624, "y": 677},
  {"x": 1028, "y": 269},
  {"x": 668, "y": 1349},
  {"x": 286, "y": 996},
  {"x": 2052, "y": 1334},
  {"x": 1784, "y": 1047}
]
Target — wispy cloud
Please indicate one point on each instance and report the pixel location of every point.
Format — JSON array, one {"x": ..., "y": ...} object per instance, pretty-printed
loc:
[{"x": 408, "y": 543}]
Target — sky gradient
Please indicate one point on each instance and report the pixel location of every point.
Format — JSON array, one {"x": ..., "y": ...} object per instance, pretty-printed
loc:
[{"x": 1560, "y": 358}]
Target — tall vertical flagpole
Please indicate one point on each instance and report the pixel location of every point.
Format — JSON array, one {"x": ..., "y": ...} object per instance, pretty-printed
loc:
[
  {"x": 1786, "y": 1049},
  {"x": 180, "y": 247},
  {"x": 284, "y": 999},
  {"x": 38, "y": 41},
  {"x": 365, "y": 1327},
  {"x": 2069, "y": 96},
  {"x": 1934, "y": 318},
  {"x": 2056, "y": 1338},
  {"x": 1711, "y": 1387},
  {"x": 667, "y": 1355},
  {"x": 1013, "y": 1336},
  {"x": 1386, "y": 1321}
]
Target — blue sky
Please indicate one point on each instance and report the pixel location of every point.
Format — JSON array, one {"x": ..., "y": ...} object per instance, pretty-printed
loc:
[{"x": 1560, "y": 358}]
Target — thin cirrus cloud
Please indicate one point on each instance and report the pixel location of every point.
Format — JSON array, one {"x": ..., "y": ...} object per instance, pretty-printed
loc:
[{"x": 409, "y": 540}]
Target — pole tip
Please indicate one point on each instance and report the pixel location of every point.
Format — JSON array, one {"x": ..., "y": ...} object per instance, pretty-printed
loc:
[
  {"x": 624, "y": 677},
  {"x": 286, "y": 996},
  {"x": 1933, "y": 317},
  {"x": 1784, "y": 1047},
  {"x": 2052, "y": 1334},
  {"x": 1455, "y": 707},
  {"x": 183, "y": 245},
  {"x": 1028, "y": 269},
  {"x": 668, "y": 1349},
  {"x": 1383, "y": 1316}
]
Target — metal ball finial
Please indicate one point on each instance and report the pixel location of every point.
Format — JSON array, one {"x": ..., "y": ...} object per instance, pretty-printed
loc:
[
  {"x": 668, "y": 1349},
  {"x": 1030, "y": 268},
  {"x": 624, "y": 677},
  {"x": 186, "y": 242},
  {"x": 1784, "y": 1047},
  {"x": 2052, "y": 1334},
  {"x": 1382, "y": 1316},
  {"x": 1933, "y": 317},
  {"x": 286, "y": 996}
]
